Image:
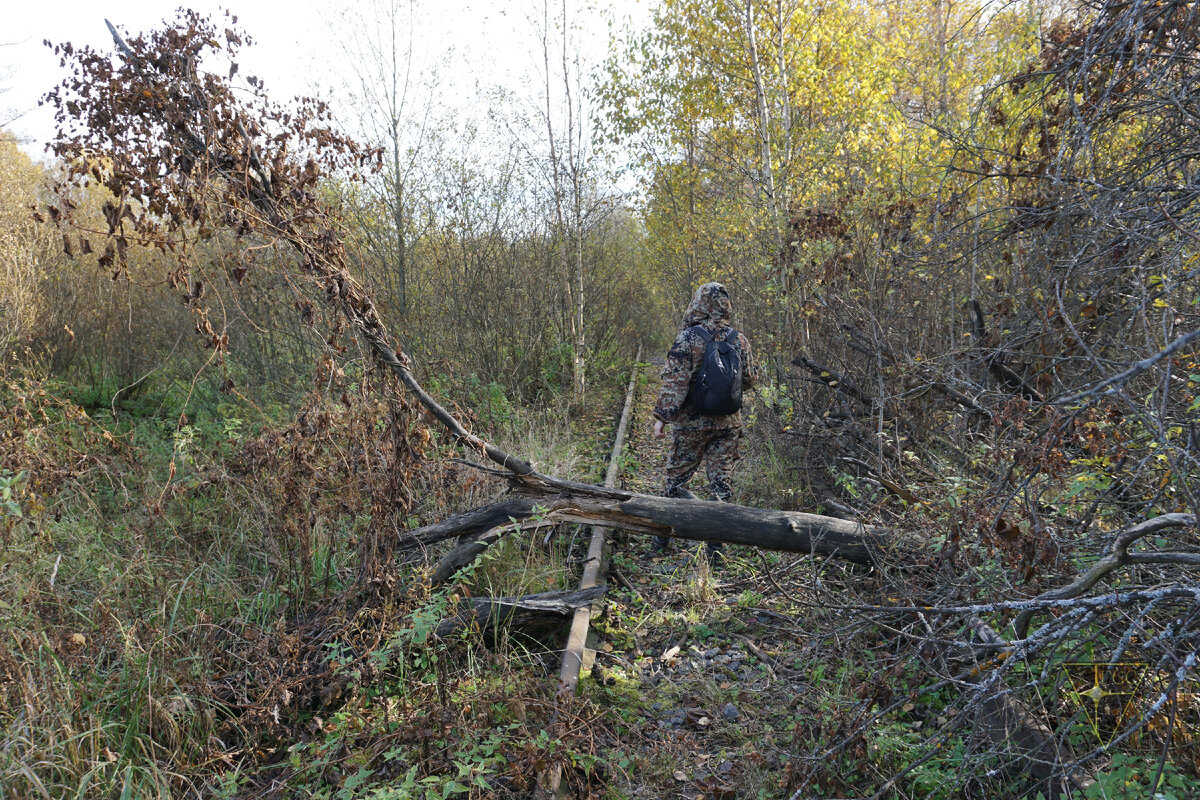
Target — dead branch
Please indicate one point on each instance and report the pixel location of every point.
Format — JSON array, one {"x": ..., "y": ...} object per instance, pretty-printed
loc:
[
  {"x": 1007, "y": 377},
  {"x": 833, "y": 380},
  {"x": 862, "y": 343},
  {"x": 709, "y": 521},
  {"x": 469, "y": 523},
  {"x": 1118, "y": 556},
  {"x": 1110, "y": 385}
]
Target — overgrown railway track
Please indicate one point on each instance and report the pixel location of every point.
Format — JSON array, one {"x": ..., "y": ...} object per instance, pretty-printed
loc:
[{"x": 576, "y": 652}]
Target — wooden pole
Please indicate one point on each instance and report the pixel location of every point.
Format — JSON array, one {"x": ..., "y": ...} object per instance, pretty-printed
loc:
[{"x": 576, "y": 650}]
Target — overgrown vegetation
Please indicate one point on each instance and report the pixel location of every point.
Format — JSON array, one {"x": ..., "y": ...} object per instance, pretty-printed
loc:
[{"x": 962, "y": 238}]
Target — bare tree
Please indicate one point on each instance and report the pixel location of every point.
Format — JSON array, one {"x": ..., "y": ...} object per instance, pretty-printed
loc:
[
  {"x": 567, "y": 173},
  {"x": 393, "y": 92},
  {"x": 7, "y": 115}
]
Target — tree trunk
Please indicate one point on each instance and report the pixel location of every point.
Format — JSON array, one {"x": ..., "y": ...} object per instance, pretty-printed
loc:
[
  {"x": 708, "y": 521},
  {"x": 492, "y": 612}
]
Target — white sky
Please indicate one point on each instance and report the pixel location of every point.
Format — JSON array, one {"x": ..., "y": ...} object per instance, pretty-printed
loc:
[{"x": 296, "y": 51}]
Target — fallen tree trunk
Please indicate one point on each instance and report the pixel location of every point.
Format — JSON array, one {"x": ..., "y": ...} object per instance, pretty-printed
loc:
[
  {"x": 706, "y": 520},
  {"x": 492, "y": 612}
]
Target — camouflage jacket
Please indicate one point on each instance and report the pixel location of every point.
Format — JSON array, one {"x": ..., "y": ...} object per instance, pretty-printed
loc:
[{"x": 710, "y": 308}]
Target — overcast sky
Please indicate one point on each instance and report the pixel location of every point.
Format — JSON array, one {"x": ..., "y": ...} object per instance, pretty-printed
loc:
[{"x": 297, "y": 48}]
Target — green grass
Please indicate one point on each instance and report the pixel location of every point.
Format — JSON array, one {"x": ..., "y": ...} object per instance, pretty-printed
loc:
[
  {"x": 147, "y": 566},
  {"x": 113, "y": 581}
]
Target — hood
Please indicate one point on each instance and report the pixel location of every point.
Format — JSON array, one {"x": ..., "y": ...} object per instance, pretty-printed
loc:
[{"x": 709, "y": 304}]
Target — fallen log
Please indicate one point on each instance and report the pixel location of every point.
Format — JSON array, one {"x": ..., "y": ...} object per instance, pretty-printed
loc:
[
  {"x": 485, "y": 613},
  {"x": 705, "y": 520}
]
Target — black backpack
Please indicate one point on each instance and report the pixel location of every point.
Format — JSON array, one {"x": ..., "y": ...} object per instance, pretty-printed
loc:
[{"x": 718, "y": 387}]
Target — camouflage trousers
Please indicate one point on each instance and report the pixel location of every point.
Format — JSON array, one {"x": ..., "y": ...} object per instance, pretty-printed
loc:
[{"x": 718, "y": 449}]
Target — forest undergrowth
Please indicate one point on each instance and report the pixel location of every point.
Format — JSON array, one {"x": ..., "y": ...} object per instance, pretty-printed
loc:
[
  {"x": 172, "y": 630},
  {"x": 204, "y": 610},
  {"x": 968, "y": 264},
  {"x": 787, "y": 676}
]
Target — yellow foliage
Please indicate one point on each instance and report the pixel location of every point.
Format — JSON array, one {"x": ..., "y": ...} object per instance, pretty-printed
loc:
[{"x": 23, "y": 243}]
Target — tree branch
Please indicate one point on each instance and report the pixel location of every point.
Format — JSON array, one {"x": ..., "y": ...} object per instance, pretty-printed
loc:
[{"x": 1118, "y": 557}]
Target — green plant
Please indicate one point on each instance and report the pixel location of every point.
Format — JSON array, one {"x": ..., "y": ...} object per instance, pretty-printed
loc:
[
  {"x": 9, "y": 507},
  {"x": 1132, "y": 776},
  {"x": 897, "y": 744},
  {"x": 750, "y": 599}
]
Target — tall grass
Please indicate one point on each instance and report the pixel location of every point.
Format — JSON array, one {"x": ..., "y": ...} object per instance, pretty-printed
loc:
[
  {"x": 148, "y": 555},
  {"x": 112, "y": 583},
  {"x": 536, "y": 559},
  {"x": 100, "y": 690}
]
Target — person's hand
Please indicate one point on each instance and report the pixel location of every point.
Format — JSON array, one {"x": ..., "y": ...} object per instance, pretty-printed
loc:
[{"x": 659, "y": 429}]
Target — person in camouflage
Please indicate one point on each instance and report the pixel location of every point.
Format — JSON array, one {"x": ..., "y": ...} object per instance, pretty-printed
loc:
[{"x": 696, "y": 438}]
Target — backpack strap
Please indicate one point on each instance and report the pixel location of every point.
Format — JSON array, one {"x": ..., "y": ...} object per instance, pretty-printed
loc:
[{"x": 708, "y": 339}]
